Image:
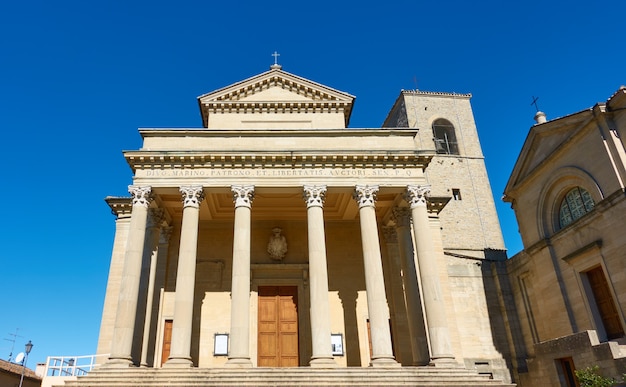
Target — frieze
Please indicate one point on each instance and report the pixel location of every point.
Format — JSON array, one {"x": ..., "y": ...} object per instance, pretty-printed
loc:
[{"x": 277, "y": 173}]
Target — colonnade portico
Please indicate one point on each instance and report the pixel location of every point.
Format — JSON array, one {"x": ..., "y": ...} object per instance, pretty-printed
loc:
[
  {"x": 275, "y": 207},
  {"x": 239, "y": 335}
]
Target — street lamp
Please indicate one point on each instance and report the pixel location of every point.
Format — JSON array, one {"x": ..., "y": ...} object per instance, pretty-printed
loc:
[{"x": 27, "y": 349}]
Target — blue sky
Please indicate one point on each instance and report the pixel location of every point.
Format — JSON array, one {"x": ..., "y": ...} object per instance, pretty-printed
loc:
[{"x": 78, "y": 78}]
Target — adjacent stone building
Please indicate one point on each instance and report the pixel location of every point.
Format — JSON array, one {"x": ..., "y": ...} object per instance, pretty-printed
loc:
[
  {"x": 569, "y": 282},
  {"x": 277, "y": 236}
]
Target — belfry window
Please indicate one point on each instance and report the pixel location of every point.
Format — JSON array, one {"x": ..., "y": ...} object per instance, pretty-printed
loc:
[
  {"x": 444, "y": 137},
  {"x": 576, "y": 203}
]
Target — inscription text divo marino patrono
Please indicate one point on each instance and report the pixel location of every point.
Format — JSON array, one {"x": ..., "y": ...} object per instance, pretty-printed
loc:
[{"x": 259, "y": 172}]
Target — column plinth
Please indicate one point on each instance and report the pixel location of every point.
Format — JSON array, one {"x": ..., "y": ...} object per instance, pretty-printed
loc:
[
  {"x": 180, "y": 352},
  {"x": 239, "y": 351},
  {"x": 434, "y": 304},
  {"x": 382, "y": 353},
  {"x": 123, "y": 332},
  {"x": 318, "y": 279}
]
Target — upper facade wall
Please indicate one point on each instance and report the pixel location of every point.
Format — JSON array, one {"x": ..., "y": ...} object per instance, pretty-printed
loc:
[
  {"x": 585, "y": 149},
  {"x": 360, "y": 141},
  {"x": 537, "y": 204},
  {"x": 264, "y": 120}
]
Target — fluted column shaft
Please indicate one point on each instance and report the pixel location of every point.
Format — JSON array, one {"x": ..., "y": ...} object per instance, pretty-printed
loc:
[
  {"x": 318, "y": 278},
  {"x": 180, "y": 352},
  {"x": 441, "y": 349},
  {"x": 382, "y": 353},
  {"x": 417, "y": 330},
  {"x": 122, "y": 342},
  {"x": 239, "y": 351}
]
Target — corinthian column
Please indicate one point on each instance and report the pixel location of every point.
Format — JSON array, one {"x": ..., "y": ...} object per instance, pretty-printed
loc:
[
  {"x": 395, "y": 297},
  {"x": 180, "y": 352},
  {"x": 441, "y": 349},
  {"x": 382, "y": 353},
  {"x": 239, "y": 352},
  {"x": 417, "y": 331},
  {"x": 148, "y": 275},
  {"x": 122, "y": 342},
  {"x": 149, "y": 350},
  {"x": 318, "y": 278}
]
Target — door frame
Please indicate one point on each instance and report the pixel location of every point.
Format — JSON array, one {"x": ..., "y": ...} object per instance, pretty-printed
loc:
[{"x": 281, "y": 275}]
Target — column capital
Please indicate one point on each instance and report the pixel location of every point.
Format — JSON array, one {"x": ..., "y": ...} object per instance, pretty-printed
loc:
[
  {"x": 390, "y": 234},
  {"x": 243, "y": 195},
  {"x": 314, "y": 195},
  {"x": 416, "y": 195},
  {"x": 192, "y": 195},
  {"x": 365, "y": 195},
  {"x": 165, "y": 235},
  {"x": 402, "y": 216},
  {"x": 142, "y": 195},
  {"x": 155, "y": 217}
]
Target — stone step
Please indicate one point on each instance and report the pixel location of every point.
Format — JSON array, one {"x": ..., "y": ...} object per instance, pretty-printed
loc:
[{"x": 301, "y": 377}]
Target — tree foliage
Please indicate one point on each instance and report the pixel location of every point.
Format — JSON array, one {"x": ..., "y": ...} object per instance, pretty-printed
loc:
[{"x": 590, "y": 377}]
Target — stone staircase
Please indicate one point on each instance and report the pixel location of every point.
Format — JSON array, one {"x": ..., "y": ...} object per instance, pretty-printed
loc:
[{"x": 300, "y": 377}]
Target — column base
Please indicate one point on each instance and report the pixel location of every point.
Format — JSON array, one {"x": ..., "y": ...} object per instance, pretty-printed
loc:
[
  {"x": 238, "y": 362},
  {"x": 118, "y": 363},
  {"x": 323, "y": 362},
  {"x": 444, "y": 362},
  {"x": 178, "y": 362},
  {"x": 384, "y": 362}
]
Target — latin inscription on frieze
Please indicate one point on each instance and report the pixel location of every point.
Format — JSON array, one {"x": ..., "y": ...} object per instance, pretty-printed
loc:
[{"x": 277, "y": 173}]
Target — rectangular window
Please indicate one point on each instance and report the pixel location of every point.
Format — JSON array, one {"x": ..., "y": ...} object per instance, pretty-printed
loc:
[{"x": 456, "y": 194}]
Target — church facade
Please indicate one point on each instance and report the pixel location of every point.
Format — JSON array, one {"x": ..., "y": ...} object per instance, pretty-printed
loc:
[
  {"x": 277, "y": 236},
  {"x": 567, "y": 190}
]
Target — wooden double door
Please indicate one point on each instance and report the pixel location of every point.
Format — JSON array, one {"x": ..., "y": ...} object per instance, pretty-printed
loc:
[{"x": 278, "y": 326}]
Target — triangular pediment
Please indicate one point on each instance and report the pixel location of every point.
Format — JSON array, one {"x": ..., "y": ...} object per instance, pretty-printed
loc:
[
  {"x": 275, "y": 91},
  {"x": 541, "y": 144}
]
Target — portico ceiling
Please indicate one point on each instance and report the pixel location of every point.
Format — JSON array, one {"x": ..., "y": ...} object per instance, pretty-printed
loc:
[{"x": 277, "y": 204}]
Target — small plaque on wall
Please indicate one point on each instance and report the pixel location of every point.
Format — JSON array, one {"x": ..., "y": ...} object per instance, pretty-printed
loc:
[
  {"x": 336, "y": 341},
  {"x": 220, "y": 347}
]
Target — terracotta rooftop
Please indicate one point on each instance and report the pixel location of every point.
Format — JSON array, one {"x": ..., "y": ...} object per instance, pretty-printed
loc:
[{"x": 17, "y": 369}]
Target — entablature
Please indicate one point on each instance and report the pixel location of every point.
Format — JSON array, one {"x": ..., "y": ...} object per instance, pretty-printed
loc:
[
  {"x": 121, "y": 207},
  {"x": 288, "y": 159},
  {"x": 277, "y": 107},
  {"x": 277, "y": 132}
]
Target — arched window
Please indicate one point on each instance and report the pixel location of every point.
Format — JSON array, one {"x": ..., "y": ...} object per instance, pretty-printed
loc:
[
  {"x": 444, "y": 137},
  {"x": 576, "y": 203}
]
